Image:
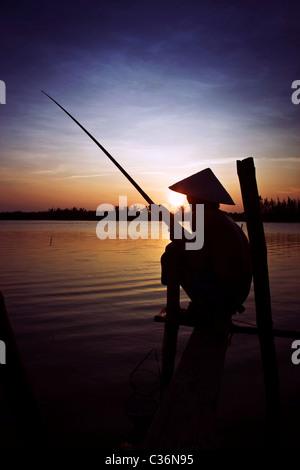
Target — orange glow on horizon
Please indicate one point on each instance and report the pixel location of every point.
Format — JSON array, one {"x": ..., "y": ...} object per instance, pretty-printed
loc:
[{"x": 29, "y": 191}]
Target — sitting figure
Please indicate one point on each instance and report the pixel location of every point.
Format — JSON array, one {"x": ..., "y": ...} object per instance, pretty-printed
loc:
[{"x": 217, "y": 277}]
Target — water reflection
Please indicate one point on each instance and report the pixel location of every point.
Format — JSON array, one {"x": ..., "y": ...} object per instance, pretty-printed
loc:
[{"x": 82, "y": 310}]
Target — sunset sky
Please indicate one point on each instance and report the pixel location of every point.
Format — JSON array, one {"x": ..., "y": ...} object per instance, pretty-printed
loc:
[{"x": 168, "y": 87}]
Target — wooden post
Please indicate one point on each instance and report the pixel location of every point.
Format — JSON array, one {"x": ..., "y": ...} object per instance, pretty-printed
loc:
[
  {"x": 171, "y": 325},
  {"x": 246, "y": 173}
]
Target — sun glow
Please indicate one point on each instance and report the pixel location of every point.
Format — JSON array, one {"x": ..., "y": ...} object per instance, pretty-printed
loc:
[{"x": 176, "y": 199}]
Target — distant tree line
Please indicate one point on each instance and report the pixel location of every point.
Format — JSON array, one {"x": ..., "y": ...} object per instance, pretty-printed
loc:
[
  {"x": 51, "y": 214},
  {"x": 62, "y": 214},
  {"x": 287, "y": 210}
]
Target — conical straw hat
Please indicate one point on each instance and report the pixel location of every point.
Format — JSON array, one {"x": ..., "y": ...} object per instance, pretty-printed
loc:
[{"x": 204, "y": 186}]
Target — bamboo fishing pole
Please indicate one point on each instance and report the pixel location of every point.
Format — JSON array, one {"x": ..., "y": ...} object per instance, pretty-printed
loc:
[
  {"x": 171, "y": 221},
  {"x": 137, "y": 186}
]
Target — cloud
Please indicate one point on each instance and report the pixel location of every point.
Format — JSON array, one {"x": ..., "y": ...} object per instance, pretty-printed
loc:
[{"x": 83, "y": 176}]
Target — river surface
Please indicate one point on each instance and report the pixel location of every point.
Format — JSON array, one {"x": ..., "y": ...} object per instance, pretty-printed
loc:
[{"x": 82, "y": 312}]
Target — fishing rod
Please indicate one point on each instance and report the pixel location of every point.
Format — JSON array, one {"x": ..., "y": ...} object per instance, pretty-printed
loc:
[
  {"x": 171, "y": 221},
  {"x": 132, "y": 181},
  {"x": 137, "y": 186}
]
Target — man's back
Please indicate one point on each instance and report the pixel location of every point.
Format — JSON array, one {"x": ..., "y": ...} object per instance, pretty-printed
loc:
[{"x": 220, "y": 273}]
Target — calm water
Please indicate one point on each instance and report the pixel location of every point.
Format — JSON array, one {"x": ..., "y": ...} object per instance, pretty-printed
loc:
[{"x": 82, "y": 310}]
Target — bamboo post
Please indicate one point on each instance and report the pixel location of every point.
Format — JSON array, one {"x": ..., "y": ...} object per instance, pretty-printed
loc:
[
  {"x": 171, "y": 325},
  {"x": 246, "y": 174}
]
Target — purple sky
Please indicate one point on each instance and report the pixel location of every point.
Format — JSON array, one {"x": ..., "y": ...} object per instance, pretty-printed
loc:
[{"x": 168, "y": 87}]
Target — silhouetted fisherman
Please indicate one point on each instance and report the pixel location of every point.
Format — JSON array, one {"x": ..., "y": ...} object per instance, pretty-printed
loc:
[{"x": 217, "y": 278}]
